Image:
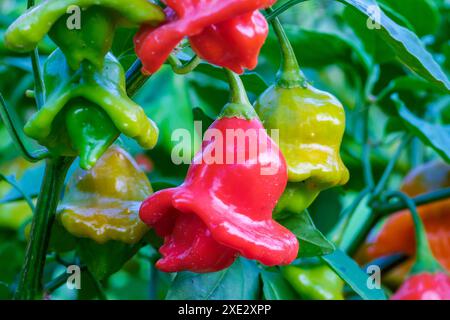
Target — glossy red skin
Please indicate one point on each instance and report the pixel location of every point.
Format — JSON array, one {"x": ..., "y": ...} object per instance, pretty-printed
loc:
[
  {"x": 234, "y": 44},
  {"x": 190, "y": 18},
  {"x": 233, "y": 204},
  {"x": 425, "y": 286}
]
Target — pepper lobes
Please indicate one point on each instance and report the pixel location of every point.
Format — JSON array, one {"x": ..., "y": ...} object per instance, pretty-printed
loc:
[
  {"x": 311, "y": 126},
  {"x": 227, "y": 33},
  {"x": 103, "y": 203},
  {"x": 224, "y": 207},
  {"x": 86, "y": 110},
  {"x": 82, "y": 29}
]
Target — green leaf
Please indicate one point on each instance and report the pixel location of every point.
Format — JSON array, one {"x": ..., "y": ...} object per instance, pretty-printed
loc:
[
  {"x": 406, "y": 45},
  {"x": 275, "y": 287},
  {"x": 407, "y": 83},
  {"x": 238, "y": 282},
  {"x": 427, "y": 22},
  {"x": 312, "y": 242},
  {"x": 353, "y": 275},
  {"x": 103, "y": 260},
  {"x": 434, "y": 135}
]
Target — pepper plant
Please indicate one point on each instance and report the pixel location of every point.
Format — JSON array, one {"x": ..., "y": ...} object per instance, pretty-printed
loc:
[{"x": 117, "y": 168}]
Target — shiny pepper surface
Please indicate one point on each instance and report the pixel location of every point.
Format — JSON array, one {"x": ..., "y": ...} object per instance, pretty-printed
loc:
[
  {"x": 425, "y": 286},
  {"x": 436, "y": 217},
  {"x": 227, "y": 33},
  {"x": 311, "y": 125},
  {"x": 224, "y": 208},
  {"x": 86, "y": 110},
  {"x": 91, "y": 38},
  {"x": 103, "y": 203},
  {"x": 317, "y": 282}
]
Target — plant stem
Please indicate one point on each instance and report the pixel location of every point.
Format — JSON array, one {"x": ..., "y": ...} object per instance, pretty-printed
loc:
[
  {"x": 39, "y": 86},
  {"x": 135, "y": 78},
  {"x": 16, "y": 186},
  {"x": 425, "y": 261},
  {"x": 290, "y": 74},
  {"x": 179, "y": 68},
  {"x": 389, "y": 168},
  {"x": 30, "y": 282},
  {"x": 10, "y": 120},
  {"x": 367, "y": 166},
  {"x": 275, "y": 13},
  {"x": 385, "y": 209},
  {"x": 238, "y": 94}
]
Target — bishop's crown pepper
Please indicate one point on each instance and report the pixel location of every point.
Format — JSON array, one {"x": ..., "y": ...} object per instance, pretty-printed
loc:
[
  {"x": 83, "y": 29},
  {"x": 103, "y": 203},
  {"x": 311, "y": 125},
  {"x": 224, "y": 208},
  {"x": 227, "y": 33}
]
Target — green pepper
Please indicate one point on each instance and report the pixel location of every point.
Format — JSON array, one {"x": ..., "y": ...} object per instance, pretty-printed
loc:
[
  {"x": 315, "y": 281},
  {"x": 86, "y": 110},
  {"x": 92, "y": 38},
  {"x": 311, "y": 126}
]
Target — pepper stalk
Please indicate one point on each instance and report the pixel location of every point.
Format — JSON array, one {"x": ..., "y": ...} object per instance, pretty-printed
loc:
[
  {"x": 290, "y": 74},
  {"x": 425, "y": 261}
]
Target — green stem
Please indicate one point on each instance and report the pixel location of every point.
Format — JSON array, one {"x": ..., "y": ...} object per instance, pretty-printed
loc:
[
  {"x": 275, "y": 13},
  {"x": 367, "y": 166},
  {"x": 238, "y": 106},
  {"x": 425, "y": 261},
  {"x": 290, "y": 74},
  {"x": 19, "y": 189},
  {"x": 10, "y": 120},
  {"x": 179, "y": 68},
  {"x": 39, "y": 86},
  {"x": 135, "y": 78},
  {"x": 389, "y": 168},
  {"x": 338, "y": 233},
  {"x": 386, "y": 209},
  {"x": 30, "y": 282}
]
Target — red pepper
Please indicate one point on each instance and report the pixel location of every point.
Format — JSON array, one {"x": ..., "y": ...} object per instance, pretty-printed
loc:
[
  {"x": 425, "y": 286},
  {"x": 214, "y": 27},
  {"x": 224, "y": 208}
]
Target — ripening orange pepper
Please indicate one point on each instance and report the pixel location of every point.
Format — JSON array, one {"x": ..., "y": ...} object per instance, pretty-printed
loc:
[{"x": 397, "y": 234}]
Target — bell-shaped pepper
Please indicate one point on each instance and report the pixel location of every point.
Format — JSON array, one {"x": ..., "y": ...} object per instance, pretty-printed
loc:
[
  {"x": 88, "y": 36},
  {"x": 224, "y": 207},
  {"x": 311, "y": 125},
  {"x": 228, "y": 33},
  {"x": 103, "y": 203},
  {"x": 245, "y": 35},
  {"x": 315, "y": 281},
  {"x": 425, "y": 286},
  {"x": 85, "y": 111},
  {"x": 436, "y": 217}
]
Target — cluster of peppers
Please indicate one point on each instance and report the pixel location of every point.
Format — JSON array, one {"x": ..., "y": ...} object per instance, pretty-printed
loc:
[{"x": 221, "y": 211}]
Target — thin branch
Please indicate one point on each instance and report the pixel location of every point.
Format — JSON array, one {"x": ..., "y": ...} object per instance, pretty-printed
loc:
[
  {"x": 17, "y": 135},
  {"x": 276, "y": 12},
  {"x": 19, "y": 189}
]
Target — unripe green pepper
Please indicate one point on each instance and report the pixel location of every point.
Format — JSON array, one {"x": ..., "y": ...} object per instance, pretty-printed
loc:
[
  {"x": 91, "y": 38},
  {"x": 315, "y": 282},
  {"x": 86, "y": 110},
  {"x": 311, "y": 126}
]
